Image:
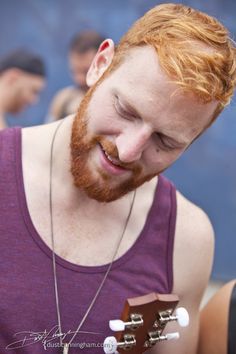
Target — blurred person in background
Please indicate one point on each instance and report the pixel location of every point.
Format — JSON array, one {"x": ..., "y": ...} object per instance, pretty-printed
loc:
[
  {"x": 22, "y": 78},
  {"x": 83, "y": 47}
]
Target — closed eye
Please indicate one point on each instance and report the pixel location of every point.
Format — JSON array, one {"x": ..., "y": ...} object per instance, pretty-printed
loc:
[
  {"x": 163, "y": 142},
  {"x": 121, "y": 110}
]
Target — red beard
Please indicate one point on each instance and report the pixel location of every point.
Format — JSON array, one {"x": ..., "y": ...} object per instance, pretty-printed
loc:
[{"x": 98, "y": 185}]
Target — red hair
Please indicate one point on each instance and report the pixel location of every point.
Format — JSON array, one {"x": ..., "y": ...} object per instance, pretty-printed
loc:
[{"x": 194, "y": 50}]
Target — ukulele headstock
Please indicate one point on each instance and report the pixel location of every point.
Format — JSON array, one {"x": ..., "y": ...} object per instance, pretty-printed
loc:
[{"x": 142, "y": 323}]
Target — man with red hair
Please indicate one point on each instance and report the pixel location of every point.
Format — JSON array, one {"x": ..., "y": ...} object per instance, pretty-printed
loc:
[{"x": 87, "y": 219}]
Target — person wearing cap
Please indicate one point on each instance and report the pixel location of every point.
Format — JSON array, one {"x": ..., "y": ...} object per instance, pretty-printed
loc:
[{"x": 22, "y": 78}]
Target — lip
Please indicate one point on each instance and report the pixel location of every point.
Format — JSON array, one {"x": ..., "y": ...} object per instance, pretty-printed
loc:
[{"x": 109, "y": 167}]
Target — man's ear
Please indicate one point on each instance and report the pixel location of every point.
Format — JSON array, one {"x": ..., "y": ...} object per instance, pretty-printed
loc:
[{"x": 101, "y": 61}]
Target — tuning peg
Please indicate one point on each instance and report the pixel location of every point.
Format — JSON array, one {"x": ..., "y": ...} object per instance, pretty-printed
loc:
[
  {"x": 136, "y": 320},
  {"x": 117, "y": 325},
  {"x": 182, "y": 317},
  {"x": 172, "y": 336},
  {"x": 156, "y": 337},
  {"x": 110, "y": 344}
]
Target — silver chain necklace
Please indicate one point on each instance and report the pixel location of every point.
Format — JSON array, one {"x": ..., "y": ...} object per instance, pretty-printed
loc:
[{"x": 65, "y": 346}]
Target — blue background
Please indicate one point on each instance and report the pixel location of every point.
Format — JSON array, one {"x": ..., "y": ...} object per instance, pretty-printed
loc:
[{"x": 206, "y": 174}]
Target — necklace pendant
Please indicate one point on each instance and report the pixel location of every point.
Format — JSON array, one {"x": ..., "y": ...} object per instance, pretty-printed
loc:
[{"x": 65, "y": 348}]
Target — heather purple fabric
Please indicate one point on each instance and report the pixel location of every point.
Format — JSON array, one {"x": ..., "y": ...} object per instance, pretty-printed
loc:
[{"x": 27, "y": 300}]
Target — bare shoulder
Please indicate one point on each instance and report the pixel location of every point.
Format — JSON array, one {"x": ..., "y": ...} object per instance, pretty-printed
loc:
[
  {"x": 194, "y": 244},
  {"x": 35, "y": 140},
  {"x": 65, "y": 92},
  {"x": 191, "y": 218},
  {"x": 214, "y": 322},
  {"x": 59, "y": 100}
]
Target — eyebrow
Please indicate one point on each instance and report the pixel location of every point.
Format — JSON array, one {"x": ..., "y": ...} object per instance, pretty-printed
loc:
[{"x": 130, "y": 109}]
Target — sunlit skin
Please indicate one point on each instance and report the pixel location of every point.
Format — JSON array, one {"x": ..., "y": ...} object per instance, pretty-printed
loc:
[
  {"x": 25, "y": 91},
  {"x": 146, "y": 119}
]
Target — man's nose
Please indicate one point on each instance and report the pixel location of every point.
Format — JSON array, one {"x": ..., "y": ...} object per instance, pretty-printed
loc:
[{"x": 132, "y": 142}]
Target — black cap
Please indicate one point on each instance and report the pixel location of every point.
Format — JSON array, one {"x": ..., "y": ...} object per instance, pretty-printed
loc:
[{"x": 24, "y": 60}]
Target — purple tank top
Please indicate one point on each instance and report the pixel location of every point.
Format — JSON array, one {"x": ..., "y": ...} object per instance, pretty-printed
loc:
[{"x": 28, "y": 316}]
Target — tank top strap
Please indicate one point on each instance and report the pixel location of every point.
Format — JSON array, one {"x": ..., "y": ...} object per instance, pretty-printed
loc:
[
  {"x": 165, "y": 209},
  {"x": 10, "y": 150},
  {"x": 156, "y": 241},
  {"x": 9, "y": 144}
]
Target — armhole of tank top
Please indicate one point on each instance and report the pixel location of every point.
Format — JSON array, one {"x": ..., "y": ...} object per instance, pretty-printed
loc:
[
  {"x": 5, "y": 143},
  {"x": 18, "y": 162},
  {"x": 17, "y": 147},
  {"x": 171, "y": 236},
  {"x": 232, "y": 323},
  {"x": 1, "y": 150},
  {"x": 1, "y": 147}
]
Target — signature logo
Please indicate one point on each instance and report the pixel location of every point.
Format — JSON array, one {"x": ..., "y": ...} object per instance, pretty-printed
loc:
[{"x": 47, "y": 338}]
